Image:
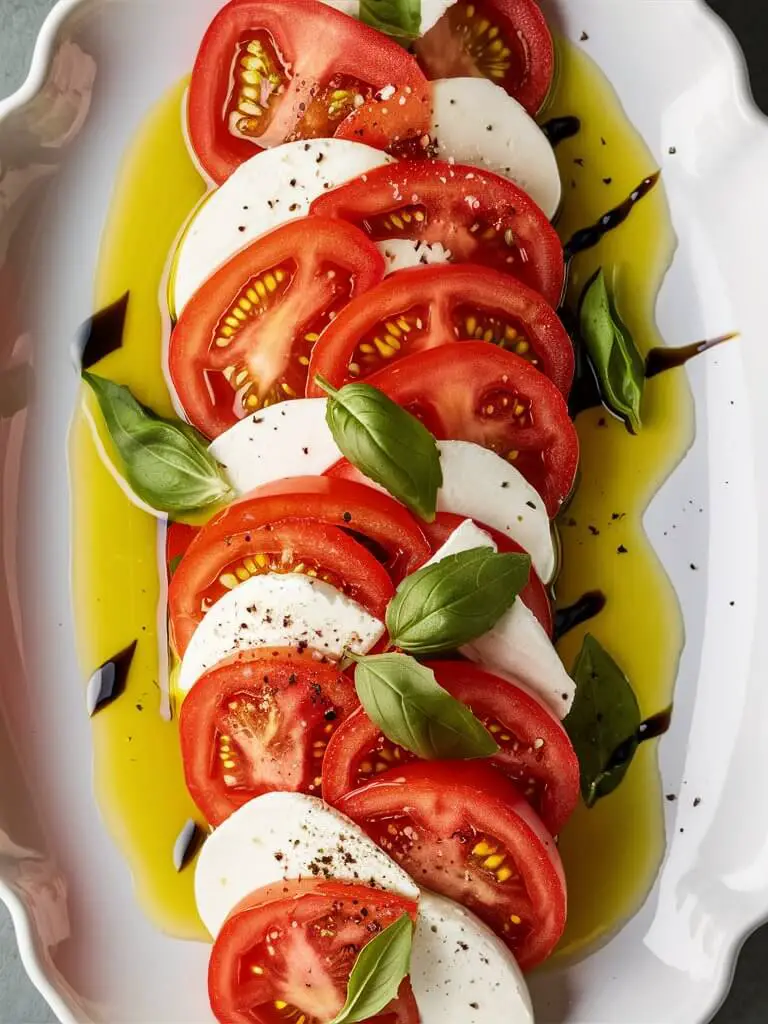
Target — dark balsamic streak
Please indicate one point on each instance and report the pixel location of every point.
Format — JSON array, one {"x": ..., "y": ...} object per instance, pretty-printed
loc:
[
  {"x": 102, "y": 334},
  {"x": 586, "y": 608},
  {"x": 188, "y": 844},
  {"x": 661, "y": 359},
  {"x": 109, "y": 681},
  {"x": 587, "y": 238},
  {"x": 558, "y": 129},
  {"x": 650, "y": 729},
  {"x": 585, "y": 391}
]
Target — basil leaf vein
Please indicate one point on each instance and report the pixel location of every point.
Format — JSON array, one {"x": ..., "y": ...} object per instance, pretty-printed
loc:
[
  {"x": 400, "y": 19},
  {"x": 378, "y": 971},
  {"x": 410, "y": 707},
  {"x": 619, "y": 366},
  {"x": 166, "y": 462}
]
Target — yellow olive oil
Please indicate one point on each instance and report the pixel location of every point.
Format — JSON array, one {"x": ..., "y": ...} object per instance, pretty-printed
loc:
[{"x": 611, "y": 853}]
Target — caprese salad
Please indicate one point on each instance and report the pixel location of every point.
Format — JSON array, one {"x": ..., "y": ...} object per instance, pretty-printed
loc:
[{"x": 372, "y": 382}]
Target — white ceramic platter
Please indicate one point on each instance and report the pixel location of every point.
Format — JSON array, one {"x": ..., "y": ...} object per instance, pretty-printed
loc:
[{"x": 99, "y": 67}]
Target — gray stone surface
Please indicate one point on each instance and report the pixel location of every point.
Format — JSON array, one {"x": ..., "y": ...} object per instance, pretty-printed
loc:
[{"x": 19, "y": 1002}]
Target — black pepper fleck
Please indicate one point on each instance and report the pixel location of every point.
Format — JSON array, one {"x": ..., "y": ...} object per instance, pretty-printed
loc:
[{"x": 621, "y": 549}]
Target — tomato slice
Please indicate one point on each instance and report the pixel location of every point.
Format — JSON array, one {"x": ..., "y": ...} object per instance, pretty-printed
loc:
[
  {"x": 259, "y": 722},
  {"x": 507, "y": 41},
  {"x": 534, "y": 594},
  {"x": 481, "y": 393},
  {"x": 535, "y": 751},
  {"x": 425, "y": 307},
  {"x": 178, "y": 537},
  {"x": 244, "y": 340},
  {"x": 221, "y": 558},
  {"x": 268, "y": 72},
  {"x": 286, "y": 953},
  {"x": 479, "y": 216},
  {"x": 463, "y": 829}
]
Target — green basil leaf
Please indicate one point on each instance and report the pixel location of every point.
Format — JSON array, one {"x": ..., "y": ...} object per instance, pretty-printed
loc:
[
  {"x": 412, "y": 710},
  {"x": 603, "y": 723},
  {"x": 400, "y": 19},
  {"x": 378, "y": 972},
  {"x": 386, "y": 443},
  {"x": 166, "y": 462},
  {"x": 619, "y": 366},
  {"x": 455, "y": 601}
]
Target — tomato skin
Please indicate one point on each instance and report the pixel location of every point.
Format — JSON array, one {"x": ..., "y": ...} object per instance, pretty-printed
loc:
[
  {"x": 446, "y": 807},
  {"x": 460, "y": 396},
  {"x": 222, "y": 375},
  {"x": 228, "y": 540},
  {"x": 443, "y": 203},
  {"x": 445, "y": 299},
  {"x": 299, "y": 701},
  {"x": 317, "y": 45},
  {"x": 309, "y": 976},
  {"x": 521, "y": 28}
]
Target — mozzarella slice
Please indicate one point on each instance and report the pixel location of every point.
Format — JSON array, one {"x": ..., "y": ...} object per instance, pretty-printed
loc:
[
  {"x": 400, "y": 253},
  {"x": 476, "y": 122},
  {"x": 480, "y": 485},
  {"x": 266, "y": 191},
  {"x": 431, "y": 10},
  {"x": 278, "y": 610},
  {"x": 282, "y": 836},
  {"x": 517, "y": 645},
  {"x": 290, "y": 439},
  {"x": 461, "y": 971}
]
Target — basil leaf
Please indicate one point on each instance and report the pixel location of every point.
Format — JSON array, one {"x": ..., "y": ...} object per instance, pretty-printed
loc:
[
  {"x": 400, "y": 19},
  {"x": 603, "y": 723},
  {"x": 378, "y": 972},
  {"x": 412, "y": 710},
  {"x": 386, "y": 443},
  {"x": 619, "y": 366},
  {"x": 166, "y": 462},
  {"x": 456, "y": 600}
]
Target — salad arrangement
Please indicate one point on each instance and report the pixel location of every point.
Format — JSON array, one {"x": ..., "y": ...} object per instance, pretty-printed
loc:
[{"x": 372, "y": 375}]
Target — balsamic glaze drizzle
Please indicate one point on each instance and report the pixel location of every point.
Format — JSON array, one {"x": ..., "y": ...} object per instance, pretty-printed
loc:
[
  {"x": 586, "y": 608},
  {"x": 187, "y": 845},
  {"x": 558, "y": 129},
  {"x": 101, "y": 334},
  {"x": 650, "y": 729},
  {"x": 661, "y": 359},
  {"x": 108, "y": 682},
  {"x": 587, "y": 238}
]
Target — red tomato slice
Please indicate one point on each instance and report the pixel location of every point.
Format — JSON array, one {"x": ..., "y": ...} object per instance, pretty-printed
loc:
[
  {"x": 534, "y": 594},
  {"x": 260, "y": 722},
  {"x": 480, "y": 216},
  {"x": 535, "y": 751},
  {"x": 244, "y": 340},
  {"x": 287, "y": 951},
  {"x": 268, "y": 72},
  {"x": 463, "y": 829},
  {"x": 425, "y": 307},
  {"x": 478, "y": 392},
  {"x": 507, "y": 41},
  {"x": 229, "y": 550},
  {"x": 178, "y": 537}
]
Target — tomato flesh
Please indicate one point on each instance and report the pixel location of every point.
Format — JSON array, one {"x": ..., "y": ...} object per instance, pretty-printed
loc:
[
  {"x": 244, "y": 340},
  {"x": 462, "y": 829},
  {"x": 477, "y": 215},
  {"x": 494, "y": 398},
  {"x": 507, "y": 41},
  {"x": 285, "y": 953}
]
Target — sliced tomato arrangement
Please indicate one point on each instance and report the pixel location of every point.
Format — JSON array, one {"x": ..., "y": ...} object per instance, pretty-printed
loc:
[
  {"x": 260, "y": 722},
  {"x": 507, "y": 41},
  {"x": 244, "y": 340},
  {"x": 464, "y": 830},
  {"x": 268, "y": 72},
  {"x": 534, "y": 749},
  {"x": 496, "y": 399},
  {"x": 287, "y": 951},
  {"x": 425, "y": 307},
  {"x": 477, "y": 215},
  {"x": 178, "y": 537}
]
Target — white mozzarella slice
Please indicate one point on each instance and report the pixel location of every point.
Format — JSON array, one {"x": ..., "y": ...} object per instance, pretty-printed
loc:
[
  {"x": 464, "y": 538},
  {"x": 431, "y": 10},
  {"x": 266, "y": 191},
  {"x": 282, "y": 836},
  {"x": 460, "y": 971},
  {"x": 400, "y": 253},
  {"x": 290, "y": 439},
  {"x": 479, "y": 484},
  {"x": 476, "y": 122},
  {"x": 278, "y": 610}
]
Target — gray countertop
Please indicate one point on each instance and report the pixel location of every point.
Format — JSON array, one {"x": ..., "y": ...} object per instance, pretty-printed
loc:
[{"x": 19, "y": 1003}]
